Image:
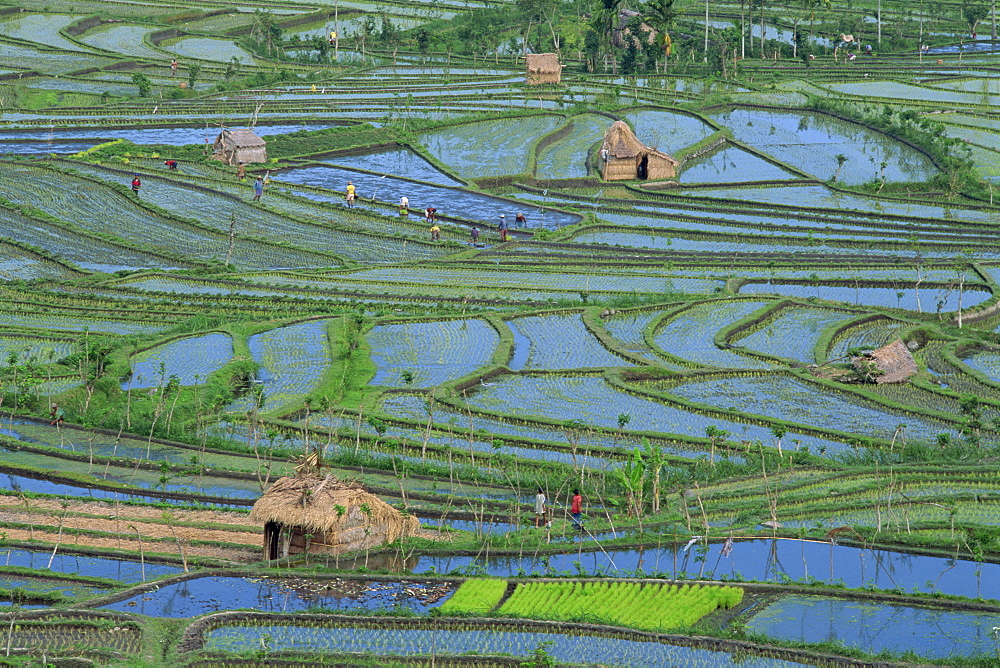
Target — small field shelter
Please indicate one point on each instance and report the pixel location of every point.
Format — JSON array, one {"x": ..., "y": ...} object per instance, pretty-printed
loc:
[
  {"x": 624, "y": 157},
  {"x": 542, "y": 68},
  {"x": 322, "y": 515},
  {"x": 235, "y": 146}
]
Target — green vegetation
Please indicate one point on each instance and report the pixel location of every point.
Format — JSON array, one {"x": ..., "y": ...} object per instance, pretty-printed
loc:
[{"x": 645, "y": 606}]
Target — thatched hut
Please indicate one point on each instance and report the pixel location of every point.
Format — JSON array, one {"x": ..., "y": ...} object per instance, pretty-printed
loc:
[
  {"x": 235, "y": 146},
  {"x": 624, "y": 157},
  {"x": 323, "y": 515},
  {"x": 622, "y": 32},
  {"x": 892, "y": 363},
  {"x": 542, "y": 68}
]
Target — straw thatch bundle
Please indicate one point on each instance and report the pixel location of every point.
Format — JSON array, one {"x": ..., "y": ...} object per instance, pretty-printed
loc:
[
  {"x": 235, "y": 146},
  {"x": 322, "y": 514},
  {"x": 542, "y": 68},
  {"x": 624, "y": 157},
  {"x": 892, "y": 363}
]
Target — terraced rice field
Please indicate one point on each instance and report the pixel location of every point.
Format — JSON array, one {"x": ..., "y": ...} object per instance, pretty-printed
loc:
[{"x": 687, "y": 352}]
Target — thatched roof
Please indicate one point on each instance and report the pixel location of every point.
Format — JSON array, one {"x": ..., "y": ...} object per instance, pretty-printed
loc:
[
  {"x": 621, "y": 30},
  {"x": 311, "y": 503},
  {"x": 620, "y": 142},
  {"x": 893, "y": 360},
  {"x": 543, "y": 63},
  {"x": 240, "y": 138}
]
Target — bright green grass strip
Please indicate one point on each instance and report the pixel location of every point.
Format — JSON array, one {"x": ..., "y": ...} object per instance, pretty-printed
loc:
[
  {"x": 477, "y": 596},
  {"x": 648, "y": 607}
]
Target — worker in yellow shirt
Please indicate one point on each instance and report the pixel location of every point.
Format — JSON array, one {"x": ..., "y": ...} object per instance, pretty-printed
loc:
[{"x": 350, "y": 194}]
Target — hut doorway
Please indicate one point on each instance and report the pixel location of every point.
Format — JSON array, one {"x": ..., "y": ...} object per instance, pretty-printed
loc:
[
  {"x": 642, "y": 167},
  {"x": 272, "y": 541}
]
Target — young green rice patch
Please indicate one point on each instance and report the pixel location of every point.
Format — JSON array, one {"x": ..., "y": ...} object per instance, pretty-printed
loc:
[
  {"x": 476, "y": 596},
  {"x": 648, "y": 607}
]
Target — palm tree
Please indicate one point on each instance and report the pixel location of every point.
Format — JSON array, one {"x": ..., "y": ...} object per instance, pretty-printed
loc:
[{"x": 659, "y": 14}]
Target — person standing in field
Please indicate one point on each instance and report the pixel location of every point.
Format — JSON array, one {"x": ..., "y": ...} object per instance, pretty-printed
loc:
[
  {"x": 173, "y": 67},
  {"x": 474, "y": 235},
  {"x": 258, "y": 189},
  {"x": 539, "y": 507},
  {"x": 576, "y": 509},
  {"x": 136, "y": 183},
  {"x": 502, "y": 227},
  {"x": 351, "y": 194},
  {"x": 241, "y": 172},
  {"x": 404, "y": 206},
  {"x": 520, "y": 221},
  {"x": 57, "y": 415}
]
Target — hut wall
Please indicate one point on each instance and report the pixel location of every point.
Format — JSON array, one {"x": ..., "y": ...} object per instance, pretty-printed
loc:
[
  {"x": 538, "y": 77},
  {"x": 249, "y": 154},
  {"x": 619, "y": 169},
  {"x": 340, "y": 542},
  {"x": 542, "y": 68},
  {"x": 660, "y": 168}
]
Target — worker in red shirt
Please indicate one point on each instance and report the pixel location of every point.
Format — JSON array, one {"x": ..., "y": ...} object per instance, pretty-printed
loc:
[{"x": 576, "y": 509}]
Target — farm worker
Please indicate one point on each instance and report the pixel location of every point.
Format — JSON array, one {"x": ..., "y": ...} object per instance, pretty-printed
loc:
[
  {"x": 868, "y": 49},
  {"x": 539, "y": 507},
  {"x": 502, "y": 227},
  {"x": 333, "y": 36},
  {"x": 173, "y": 67},
  {"x": 520, "y": 220},
  {"x": 404, "y": 203},
  {"x": 474, "y": 234},
  {"x": 435, "y": 232},
  {"x": 350, "y": 193},
  {"x": 57, "y": 415},
  {"x": 241, "y": 171},
  {"x": 135, "y": 184},
  {"x": 172, "y": 164},
  {"x": 258, "y": 189},
  {"x": 576, "y": 509},
  {"x": 431, "y": 213}
]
